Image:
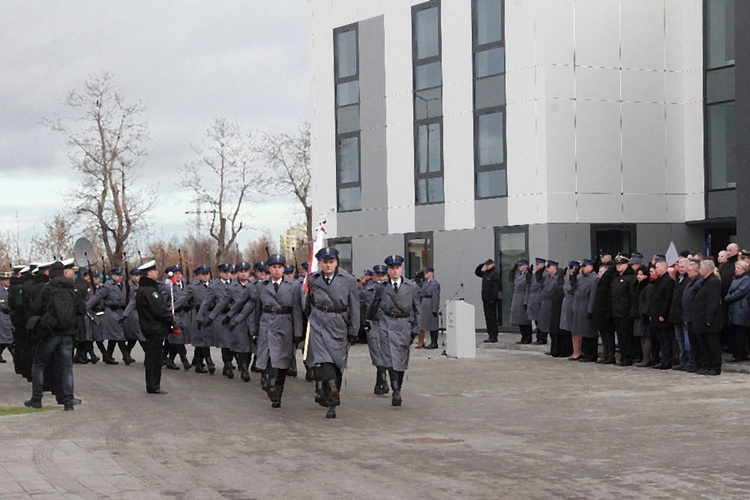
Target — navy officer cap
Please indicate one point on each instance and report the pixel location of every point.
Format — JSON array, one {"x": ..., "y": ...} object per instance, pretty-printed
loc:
[
  {"x": 540, "y": 261},
  {"x": 574, "y": 264},
  {"x": 135, "y": 272},
  {"x": 201, "y": 270},
  {"x": 305, "y": 266},
  {"x": 116, "y": 271},
  {"x": 380, "y": 269},
  {"x": 587, "y": 262},
  {"x": 289, "y": 269},
  {"x": 225, "y": 268},
  {"x": 660, "y": 258},
  {"x": 523, "y": 262},
  {"x": 276, "y": 259},
  {"x": 327, "y": 253},
  {"x": 394, "y": 260},
  {"x": 242, "y": 266},
  {"x": 260, "y": 266},
  {"x": 428, "y": 269},
  {"x": 368, "y": 272},
  {"x": 552, "y": 263}
]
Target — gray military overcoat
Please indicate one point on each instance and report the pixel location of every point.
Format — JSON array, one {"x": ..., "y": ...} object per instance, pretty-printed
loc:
[
  {"x": 211, "y": 317},
  {"x": 190, "y": 302},
  {"x": 132, "y": 326},
  {"x": 396, "y": 313},
  {"x": 566, "y": 313},
  {"x": 6, "y": 327},
  {"x": 429, "y": 305},
  {"x": 545, "y": 308},
  {"x": 112, "y": 297},
  {"x": 583, "y": 306},
  {"x": 366, "y": 297},
  {"x": 535, "y": 297},
  {"x": 520, "y": 300},
  {"x": 334, "y": 311},
  {"x": 278, "y": 321},
  {"x": 237, "y": 297}
]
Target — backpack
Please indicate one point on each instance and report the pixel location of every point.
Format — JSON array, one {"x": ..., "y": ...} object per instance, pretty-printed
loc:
[{"x": 60, "y": 315}]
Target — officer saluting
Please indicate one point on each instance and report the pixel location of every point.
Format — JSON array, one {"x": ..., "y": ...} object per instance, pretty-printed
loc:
[
  {"x": 430, "y": 306},
  {"x": 395, "y": 308},
  {"x": 279, "y": 325},
  {"x": 333, "y": 310},
  {"x": 156, "y": 322}
]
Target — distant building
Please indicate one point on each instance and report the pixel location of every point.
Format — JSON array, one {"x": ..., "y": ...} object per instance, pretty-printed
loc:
[{"x": 457, "y": 130}]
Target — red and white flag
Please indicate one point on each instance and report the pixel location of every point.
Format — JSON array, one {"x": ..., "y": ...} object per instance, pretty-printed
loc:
[{"x": 318, "y": 243}]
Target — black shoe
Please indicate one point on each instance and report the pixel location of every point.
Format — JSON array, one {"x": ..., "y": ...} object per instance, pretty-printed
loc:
[
  {"x": 321, "y": 400},
  {"x": 200, "y": 369},
  {"x": 128, "y": 360},
  {"x": 245, "y": 375},
  {"x": 691, "y": 369},
  {"x": 625, "y": 363},
  {"x": 331, "y": 413},
  {"x": 172, "y": 366},
  {"x": 379, "y": 389},
  {"x": 678, "y": 368},
  {"x": 158, "y": 391},
  {"x": 490, "y": 341},
  {"x": 522, "y": 342},
  {"x": 292, "y": 373},
  {"x": 396, "y": 398},
  {"x": 540, "y": 342},
  {"x": 74, "y": 401},
  {"x": 571, "y": 358},
  {"x": 701, "y": 371},
  {"x": 600, "y": 361},
  {"x": 186, "y": 366},
  {"x": 211, "y": 369},
  {"x": 713, "y": 373},
  {"x": 31, "y": 403},
  {"x": 111, "y": 361},
  {"x": 309, "y": 376},
  {"x": 94, "y": 359},
  {"x": 276, "y": 404},
  {"x": 665, "y": 366}
]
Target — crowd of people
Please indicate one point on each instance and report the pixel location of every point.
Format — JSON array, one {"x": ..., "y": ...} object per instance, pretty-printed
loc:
[
  {"x": 678, "y": 316},
  {"x": 258, "y": 316}
]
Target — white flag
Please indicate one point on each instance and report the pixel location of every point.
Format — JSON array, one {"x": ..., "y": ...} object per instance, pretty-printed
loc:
[
  {"x": 318, "y": 243},
  {"x": 672, "y": 255}
]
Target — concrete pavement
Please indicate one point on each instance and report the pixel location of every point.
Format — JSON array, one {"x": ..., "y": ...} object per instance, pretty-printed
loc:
[{"x": 508, "y": 424}]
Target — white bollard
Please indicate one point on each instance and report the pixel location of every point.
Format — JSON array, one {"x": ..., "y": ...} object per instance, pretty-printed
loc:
[{"x": 459, "y": 330}]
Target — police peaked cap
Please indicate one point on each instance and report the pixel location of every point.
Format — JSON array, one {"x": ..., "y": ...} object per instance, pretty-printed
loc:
[
  {"x": 368, "y": 272},
  {"x": 276, "y": 259},
  {"x": 428, "y": 269},
  {"x": 135, "y": 272},
  {"x": 574, "y": 264},
  {"x": 224, "y": 268},
  {"x": 242, "y": 266},
  {"x": 394, "y": 260},
  {"x": 305, "y": 266},
  {"x": 260, "y": 266},
  {"x": 523, "y": 262},
  {"x": 288, "y": 269},
  {"x": 621, "y": 259},
  {"x": 552, "y": 263},
  {"x": 540, "y": 260},
  {"x": 380, "y": 269},
  {"x": 587, "y": 262},
  {"x": 147, "y": 266},
  {"x": 327, "y": 253},
  {"x": 660, "y": 258},
  {"x": 201, "y": 270},
  {"x": 116, "y": 271}
]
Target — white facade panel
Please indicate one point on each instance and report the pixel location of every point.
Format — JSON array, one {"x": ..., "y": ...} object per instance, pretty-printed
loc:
[
  {"x": 643, "y": 148},
  {"x": 643, "y": 86},
  {"x": 601, "y": 84},
  {"x": 644, "y": 207},
  {"x": 457, "y": 46},
  {"x": 560, "y": 146},
  {"x": 459, "y": 170},
  {"x": 597, "y": 33},
  {"x": 522, "y": 159},
  {"x": 520, "y": 32},
  {"x": 598, "y": 147},
  {"x": 600, "y": 208},
  {"x": 556, "y": 29},
  {"x": 642, "y": 34}
]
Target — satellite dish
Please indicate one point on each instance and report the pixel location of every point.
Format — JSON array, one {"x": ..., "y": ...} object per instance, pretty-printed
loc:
[{"x": 84, "y": 252}]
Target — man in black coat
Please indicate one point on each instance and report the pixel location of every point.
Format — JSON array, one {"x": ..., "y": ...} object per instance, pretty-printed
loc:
[
  {"x": 603, "y": 314},
  {"x": 675, "y": 316},
  {"x": 708, "y": 319},
  {"x": 156, "y": 323},
  {"x": 624, "y": 298},
  {"x": 490, "y": 292},
  {"x": 658, "y": 312}
]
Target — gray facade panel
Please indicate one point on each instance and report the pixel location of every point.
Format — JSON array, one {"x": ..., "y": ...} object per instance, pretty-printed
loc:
[
  {"x": 457, "y": 254},
  {"x": 373, "y": 219},
  {"x": 568, "y": 242},
  {"x": 655, "y": 238},
  {"x": 368, "y": 251},
  {"x": 360, "y": 223},
  {"x": 742, "y": 114},
  {"x": 491, "y": 213},
  {"x": 429, "y": 217}
]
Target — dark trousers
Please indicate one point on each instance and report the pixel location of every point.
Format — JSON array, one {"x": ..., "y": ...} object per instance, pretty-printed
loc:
[
  {"x": 608, "y": 346},
  {"x": 526, "y": 333},
  {"x": 695, "y": 346},
  {"x": 624, "y": 328},
  {"x": 62, "y": 349},
  {"x": 490, "y": 317},
  {"x": 711, "y": 350},
  {"x": 152, "y": 348},
  {"x": 664, "y": 334},
  {"x": 540, "y": 335},
  {"x": 738, "y": 336},
  {"x": 561, "y": 345},
  {"x": 590, "y": 348}
]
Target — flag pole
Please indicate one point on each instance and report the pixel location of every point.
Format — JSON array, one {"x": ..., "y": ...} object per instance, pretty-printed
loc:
[{"x": 311, "y": 268}]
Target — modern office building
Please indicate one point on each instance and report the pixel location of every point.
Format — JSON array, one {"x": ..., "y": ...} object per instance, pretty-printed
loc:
[{"x": 458, "y": 130}]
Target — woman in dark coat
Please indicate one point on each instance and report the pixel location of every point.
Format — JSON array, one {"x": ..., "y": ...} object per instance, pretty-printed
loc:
[
  {"x": 561, "y": 342},
  {"x": 708, "y": 319},
  {"x": 641, "y": 329},
  {"x": 739, "y": 311},
  {"x": 603, "y": 322}
]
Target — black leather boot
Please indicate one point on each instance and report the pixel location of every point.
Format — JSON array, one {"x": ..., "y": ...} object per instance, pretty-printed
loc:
[
  {"x": 309, "y": 375},
  {"x": 383, "y": 373},
  {"x": 227, "y": 371},
  {"x": 264, "y": 382},
  {"x": 331, "y": 413},
  {"x": 245, "y": 372},
  {"x": 378, "y": 391},
  {"x": 185, "y": 363},
  {"x": 396, "y": 386},
  {"x": 209, "y": 362},
  {"x": 273, "y": 390},
  {"x": 320, "y": 396},
  {"x": 334, "y": 398}
]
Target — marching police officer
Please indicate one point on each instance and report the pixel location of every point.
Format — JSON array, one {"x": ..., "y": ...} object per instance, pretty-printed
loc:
[
  {"x": 333, "y": 309},
  {"x": 209, "y": 311},
  {"x": 191, "y": 301},
  {"x": 130, "y": 322},
  {"x": 239, "y": 332},
  {"x": 395, "y": 307},
  {"x": 374, "y": 342},
  {"x": 112, "y": 297},
  {"x": 174, "y": 289},
  {"x": 279, "y": 325}
]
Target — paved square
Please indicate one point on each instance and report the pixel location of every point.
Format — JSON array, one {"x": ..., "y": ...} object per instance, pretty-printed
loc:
[{"x": 509, "y": 424}]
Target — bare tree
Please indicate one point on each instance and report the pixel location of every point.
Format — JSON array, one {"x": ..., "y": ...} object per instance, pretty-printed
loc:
[
  {"x": 57, "y": 240},
  {"x": 288, "y": 157},
  {"x": 223, "y": 175},
  {"x": 107, "y": 137}
]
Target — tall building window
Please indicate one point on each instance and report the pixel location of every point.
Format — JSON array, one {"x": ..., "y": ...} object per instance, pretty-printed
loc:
[
  {"x": 719, "y": 116},
  {"x": 419, "y": 253},
  {"x": 344, "y": 246},
  {"x": 428, "y": 103},
  {"x": 490, "y": 180},
  {"x": 346, "y": 75}
]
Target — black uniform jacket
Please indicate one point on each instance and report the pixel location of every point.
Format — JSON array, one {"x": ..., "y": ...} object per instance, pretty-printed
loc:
[{"x": 155, "y": 317}]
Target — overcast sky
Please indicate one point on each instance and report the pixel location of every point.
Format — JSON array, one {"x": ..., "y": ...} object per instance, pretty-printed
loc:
[{"x": 186, "y": 60}]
